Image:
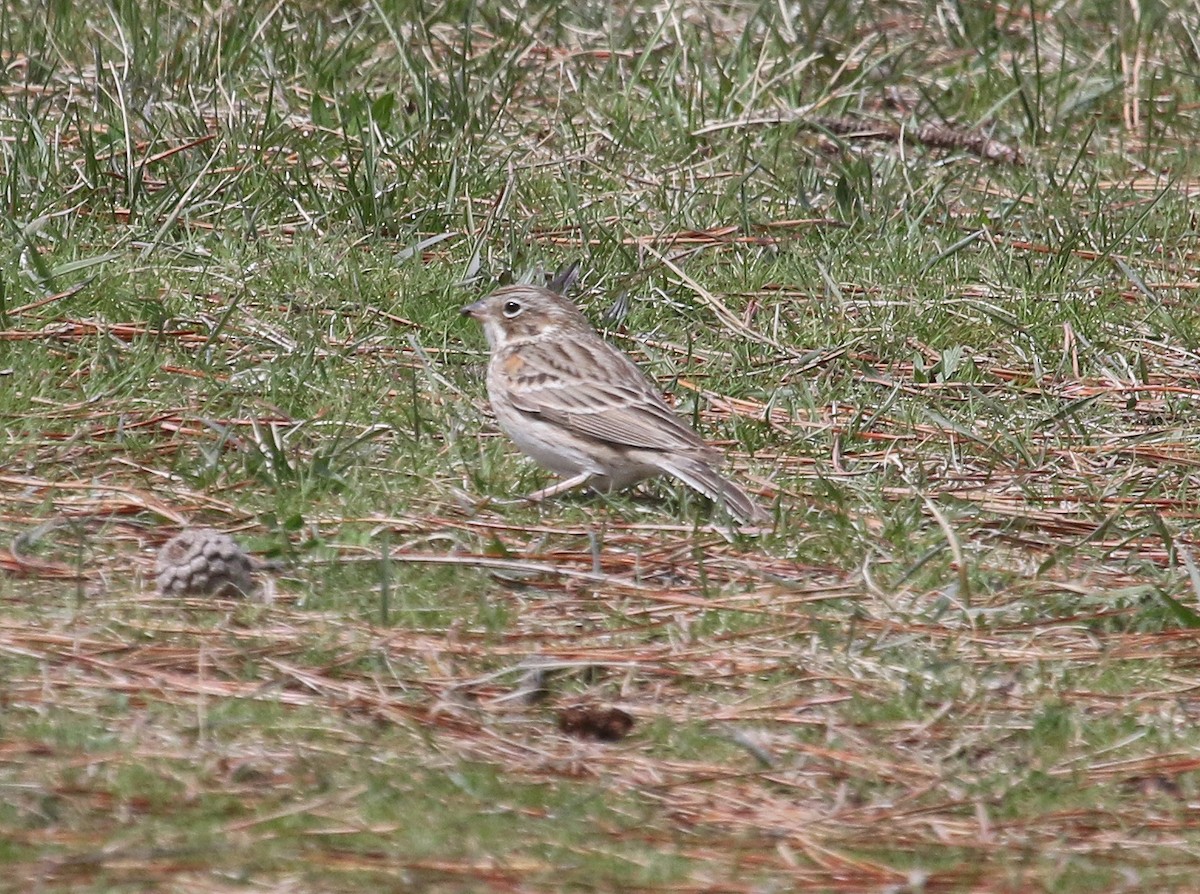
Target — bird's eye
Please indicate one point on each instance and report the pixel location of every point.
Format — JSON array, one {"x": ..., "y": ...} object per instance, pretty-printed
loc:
[{"x": 512, "y": 308}]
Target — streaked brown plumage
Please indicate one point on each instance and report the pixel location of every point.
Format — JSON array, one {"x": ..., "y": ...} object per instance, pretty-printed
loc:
[{"x": 581, "y": 408}]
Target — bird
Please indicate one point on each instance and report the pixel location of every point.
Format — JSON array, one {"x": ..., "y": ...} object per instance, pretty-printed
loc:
[{"x": 583, "y": 409}]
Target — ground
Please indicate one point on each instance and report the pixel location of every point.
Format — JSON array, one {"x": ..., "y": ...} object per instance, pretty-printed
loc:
[{"x": 925, "y": 272}]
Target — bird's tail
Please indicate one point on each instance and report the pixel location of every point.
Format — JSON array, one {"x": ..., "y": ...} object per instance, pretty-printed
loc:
[{"x": 699, "y": 476}]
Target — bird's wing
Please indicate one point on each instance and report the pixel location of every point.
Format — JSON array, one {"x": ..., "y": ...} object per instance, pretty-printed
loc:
[{"x": 593, "y": 389}]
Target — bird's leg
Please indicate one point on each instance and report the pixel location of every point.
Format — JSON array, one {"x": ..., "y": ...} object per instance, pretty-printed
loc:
[{"x": 560, "y": 488}]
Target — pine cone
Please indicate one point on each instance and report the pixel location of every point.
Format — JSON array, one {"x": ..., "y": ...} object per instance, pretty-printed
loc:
[{"x": 203, "y": 562}]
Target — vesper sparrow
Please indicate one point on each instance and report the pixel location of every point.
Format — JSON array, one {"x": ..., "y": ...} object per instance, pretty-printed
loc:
[{"x": 581, "y": 408}]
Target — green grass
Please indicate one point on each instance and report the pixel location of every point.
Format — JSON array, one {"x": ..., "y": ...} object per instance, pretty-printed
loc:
[{"x": 235, "y": 245}]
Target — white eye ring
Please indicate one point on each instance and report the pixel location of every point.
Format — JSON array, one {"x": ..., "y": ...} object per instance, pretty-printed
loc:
[{"x": 511, "y": 308}]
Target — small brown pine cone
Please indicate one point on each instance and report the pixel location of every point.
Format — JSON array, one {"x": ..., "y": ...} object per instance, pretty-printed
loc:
[{"x": 203, "y": 562}]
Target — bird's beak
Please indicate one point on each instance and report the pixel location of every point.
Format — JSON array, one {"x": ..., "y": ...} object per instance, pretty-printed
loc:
[{"x": 473, "y": 310}]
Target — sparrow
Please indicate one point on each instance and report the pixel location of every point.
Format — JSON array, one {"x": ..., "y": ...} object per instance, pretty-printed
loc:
[{"x": 583, "y": 409}]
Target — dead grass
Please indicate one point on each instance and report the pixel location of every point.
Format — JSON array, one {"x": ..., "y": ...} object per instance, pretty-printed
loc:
[{"x": 964, "y": 658}]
